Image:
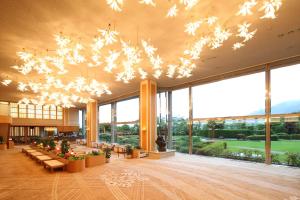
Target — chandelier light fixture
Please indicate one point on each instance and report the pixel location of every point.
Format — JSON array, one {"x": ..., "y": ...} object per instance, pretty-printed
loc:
[{"x": 110, "y": 53}]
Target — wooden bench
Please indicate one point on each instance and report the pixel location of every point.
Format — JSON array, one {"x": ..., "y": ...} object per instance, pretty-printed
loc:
[
  {"x": 40, "y": 159},
  {"x": 54, "y": 164}
]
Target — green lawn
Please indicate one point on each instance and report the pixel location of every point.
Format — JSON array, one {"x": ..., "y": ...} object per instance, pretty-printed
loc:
[{"x": 280, "y": 146}]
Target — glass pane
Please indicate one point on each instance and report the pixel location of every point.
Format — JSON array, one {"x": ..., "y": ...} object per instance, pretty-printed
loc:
[
  {"x": 105, "y": 113},
  {"x": 162, "y": 116},
  {"x": 105, "y": 133},
  {"x": 52, "y": 112},
  {"x": 22, "y": 110},
  {"x": 242, "y": 139},
  {"x": 128, "y": 111},
  {"x": 59, "y": 112},
  {"x": 128, "y": 134},
  {"x": 46, "y": 112},
  {"x": 240, "y": 96},
  {"x": 31, "y": 111},
  {"x": 285, "y": 93},
  {"x": 285, "y": 147},
  {"x": 39, "y": 111},
  {"x": 180, "y": 114},
  {"x": 14, "y": 110}
]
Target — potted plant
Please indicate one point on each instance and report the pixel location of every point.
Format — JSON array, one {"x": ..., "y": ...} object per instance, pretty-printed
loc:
[
  {"x": 129, "y": 151},
  {"x": 2, "y": 143},
  {"x": 136, "y": 152},
  {"x": 94, "y": 158},
  {"x": 76, "y": 163},
  {"x": 65, "y": 146},
  {"x": 107, "y": 152},
  {"x": 52, "y": 144}
]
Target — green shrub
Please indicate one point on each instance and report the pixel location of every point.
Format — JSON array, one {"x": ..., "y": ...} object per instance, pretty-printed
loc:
[
  {"x": 261, "y": 137},
  {"x": 107, "y": 152},
  {"x": 293, "y": 159},
  {"x": 241, "y": 136},
  {"x": 214, "y": 149},
  {"x": 228, "y": 133},
  {"x": 75, "y": 158},
  {"x": 275, "y": 158},
  {"x": 65, "y": 147},
  {"x": 245, "y": 154},
  {"x": 183, "y": 149},
  {"x": 95, "y": 153},
  {"x": 295, "y": 136},
  {"x": 52, "y": 144},
  {"x": 283, "y": 136}
]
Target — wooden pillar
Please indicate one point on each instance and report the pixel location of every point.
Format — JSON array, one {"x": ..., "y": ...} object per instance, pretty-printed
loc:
[
  {"x": 91, "y": 122},
  {"x": 268, "y": 116},
  {"x": 148, "y": 127}
]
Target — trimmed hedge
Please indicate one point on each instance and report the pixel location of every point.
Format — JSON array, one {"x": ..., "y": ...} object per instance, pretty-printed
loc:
[
  {"x": 262, "y": 137},
  {"x": 228, "y": 133}
]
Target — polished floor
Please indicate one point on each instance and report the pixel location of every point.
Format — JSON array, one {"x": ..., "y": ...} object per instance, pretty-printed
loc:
[{"x": 181, "y": 177}]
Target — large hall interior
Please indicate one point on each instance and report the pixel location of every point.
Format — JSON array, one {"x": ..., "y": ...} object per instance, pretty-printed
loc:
[{"x": 149, "y": 100}]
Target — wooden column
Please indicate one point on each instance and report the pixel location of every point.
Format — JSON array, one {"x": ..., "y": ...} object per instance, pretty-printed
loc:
[
  {"x": 268, "y": 116},
  {"x": 148, "y": 130},
  {"x": 91, "y": 123}
]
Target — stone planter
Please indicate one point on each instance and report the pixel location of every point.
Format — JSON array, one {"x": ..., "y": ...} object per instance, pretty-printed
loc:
[
  {"x": 3, "y": 146},
  {"x": 136, "y": 153},
  {"x": 76, "y": 165},
  {"x": 91, "y": 161}
]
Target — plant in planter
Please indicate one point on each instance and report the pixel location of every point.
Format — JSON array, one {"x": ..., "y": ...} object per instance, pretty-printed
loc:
[
  {"x": 129, "y": 151},
  {"x": 136, "y": 152},
  {"x": 76, "y": 163},
  {"x": 52, "y": 144},
  {"x": 2, "y": 143},
  {"x": 107, "y": 152},
  {"x": 94, "y": 158},
  {"x": 65, "y": 146}
]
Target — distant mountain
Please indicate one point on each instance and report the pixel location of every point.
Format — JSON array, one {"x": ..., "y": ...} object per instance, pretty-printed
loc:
[{"x": 285, "y": 107}]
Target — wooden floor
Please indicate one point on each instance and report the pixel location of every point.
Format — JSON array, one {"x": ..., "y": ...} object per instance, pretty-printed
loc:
[{"x": 181, "y": 177}]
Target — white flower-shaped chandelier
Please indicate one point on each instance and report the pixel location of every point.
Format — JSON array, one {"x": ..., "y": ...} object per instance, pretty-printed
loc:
[{"x": 110, "y": 53}]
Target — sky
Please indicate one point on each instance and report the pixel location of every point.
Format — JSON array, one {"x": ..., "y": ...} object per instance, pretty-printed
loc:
[{"x": 232, "y": 97}]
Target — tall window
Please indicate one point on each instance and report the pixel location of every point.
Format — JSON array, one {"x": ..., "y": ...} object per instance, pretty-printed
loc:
[
  {"x": 285, "y": 93},
  {"x": 241, "y": 96},
  {"x": 52, "y": 112},
  {"x": 285, "y": 110},
  {"x": 22, "y": 110},
  {"x": 105, "y": 123},
  {"x": 39, "y": 111},
  {"x": 59, "y": 112},
  {"x": 46, "y": 114},
  {"x": 127, "y": 120},
  {"x": 180, "y": 115},
  {"x": 31, "y": 111},
  {"x": 105, "y": 113},
  {"x": 14, "y": 110}
]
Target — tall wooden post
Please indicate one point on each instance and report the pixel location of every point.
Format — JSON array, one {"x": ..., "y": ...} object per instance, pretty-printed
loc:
[
  {"x": 268, "y": 116},
  {"x": 91, "y": 123},
  {"x": 148, "y": 127}
]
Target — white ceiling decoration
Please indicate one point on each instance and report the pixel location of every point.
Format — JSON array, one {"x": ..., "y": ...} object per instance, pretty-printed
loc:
[{"x": 109, "y": 51}]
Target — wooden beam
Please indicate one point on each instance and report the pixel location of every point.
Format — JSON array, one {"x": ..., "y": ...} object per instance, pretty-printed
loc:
[{"x": 268, "y": 115}]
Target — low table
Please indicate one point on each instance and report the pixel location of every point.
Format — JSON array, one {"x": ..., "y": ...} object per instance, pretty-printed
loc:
[
  {"x": 53, "y": 164},
  {"x": 40, "y": 159}
]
